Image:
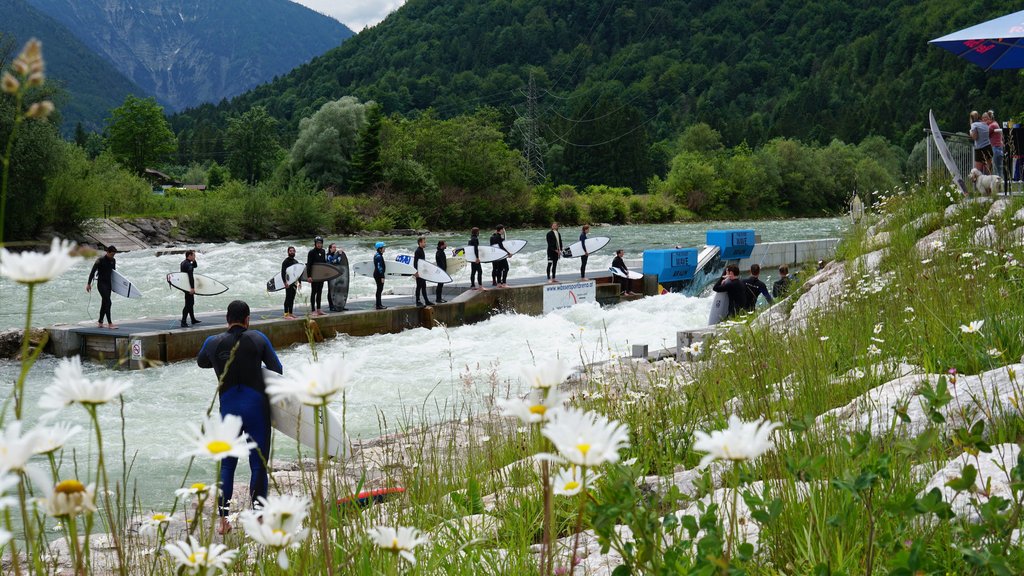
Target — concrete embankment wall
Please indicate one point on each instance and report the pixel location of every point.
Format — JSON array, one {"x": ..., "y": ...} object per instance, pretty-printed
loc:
[{"x": 775, "y": 254}]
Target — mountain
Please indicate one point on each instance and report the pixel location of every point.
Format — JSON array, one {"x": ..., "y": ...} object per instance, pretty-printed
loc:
[
  {"x": 91, "y": 86},
  {"x": 607, "y": 71},
  {"x": 186, "y": 52}
]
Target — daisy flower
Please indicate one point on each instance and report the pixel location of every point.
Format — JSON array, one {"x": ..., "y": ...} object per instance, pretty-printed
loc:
[
  {"x": 68, "y": 498},
  {"x": 538, "y": 407},
  {"x": 694, "y": 349},
  {"x": 193, "y": 558},
  {"x": 15, "y": 449},
  {"x": 586, "y": 438},
  {"x": 70, "y": 386},
  {"x": 878, "y": 328},
  {"x": 278, "y": 524},
  {"x": 740, "y": 441},
  {"x": 874, "y": 350},
  {"x": 313, "y": 384},
  {"x": 30, "y": 267},
  {"x": 219, "y": 438},
  {"x": 973, "y": 328},
  {"x": 196, "y": 489},
  {"x": 49, "y": 439},
  {"x": 569, "y": 481},
  {"x": 546, "y": 375},
  {"x": 995, "y": 352},
  {"x": 152, "y": 523},
  {"x": 401, "y": 540}
]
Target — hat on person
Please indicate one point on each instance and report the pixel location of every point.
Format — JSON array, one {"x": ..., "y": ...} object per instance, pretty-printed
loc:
[
  {"x": 111, "y": 249},
  {"x": 379, "y": 245},
  {"x": 318, "y": 239}
]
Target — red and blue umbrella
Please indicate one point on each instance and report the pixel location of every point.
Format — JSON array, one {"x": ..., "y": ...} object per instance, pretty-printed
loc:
[{"x": 994, "y": 45}]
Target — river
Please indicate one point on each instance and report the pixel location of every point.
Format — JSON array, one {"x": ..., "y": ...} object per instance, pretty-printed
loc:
[{"x": 402, "y": 377}]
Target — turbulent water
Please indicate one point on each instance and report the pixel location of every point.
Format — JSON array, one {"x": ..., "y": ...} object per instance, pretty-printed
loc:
[{"x": 408, "y": 376}]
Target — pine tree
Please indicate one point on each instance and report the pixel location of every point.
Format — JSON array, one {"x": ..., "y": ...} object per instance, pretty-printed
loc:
[{"x": 367, "y": 168}]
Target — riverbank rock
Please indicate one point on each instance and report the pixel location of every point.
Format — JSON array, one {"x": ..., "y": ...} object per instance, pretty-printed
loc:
[
  {"x": 998, "y": 208},
  {"x": 10, "y": 341},
  {"x": 153, "y": 231},
  {"x": 993, "y": 479}
]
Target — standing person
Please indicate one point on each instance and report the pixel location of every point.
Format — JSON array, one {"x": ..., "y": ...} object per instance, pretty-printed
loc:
[
  {"x": 554, "y": 252},
  {"x": 289, "y": 291},
  {"x": 237, "y": 357},
  {"x": 476, "y": 270},
  {"x": 731, "y": 284},
  {"x": 316, "y": 290},
  {"x": 334, "y": 259},
  {"x": 995, "y": 136},
  {"x": 583, "y": 259},
  {"x": 103, "y": 270},
  {"x": 421, "y": 284},
  {"x": 982, "y": 144},
  {"x": 619, "y": 263},
  {"x": 441, "y": 259},
  {"x": 501, "y": 267},
  {"x": 755, "y": 288},
  {"x": 188, "y": 266},
  {"x": 378, "y": 272},
  {"x": 781, "y": 286}
]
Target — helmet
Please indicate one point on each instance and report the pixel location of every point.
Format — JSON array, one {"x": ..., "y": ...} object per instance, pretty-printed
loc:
[
  {"x": 318, "y": 239},
  {"x": 379, "y": 245}
]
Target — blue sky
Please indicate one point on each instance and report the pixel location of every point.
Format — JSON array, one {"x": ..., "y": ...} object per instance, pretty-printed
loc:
[{"x": 356, "y": 14}]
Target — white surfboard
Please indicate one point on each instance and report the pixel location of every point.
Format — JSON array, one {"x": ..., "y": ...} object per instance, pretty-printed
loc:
[
  {"x": 947, "y": 158},
  {"x": 298, "y": 421},
  {"x": 123, "y": 286},
  {"x": 719, "y": 308},
  {"x": 493, "y": 253},
  {"x": 205, "y": 286},
  {"x": 392, "y": 269},
  {"x": 429, "y": 272},
  {"x": 593, "y": 245},
  {"x": 631, "y": 274},
  {"x": 455, "y": 264},
  {"x": 291, "y": 274}
]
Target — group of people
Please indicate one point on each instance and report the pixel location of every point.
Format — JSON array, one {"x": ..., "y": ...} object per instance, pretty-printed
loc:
[
  {"x": 743, "y": 293},
  {"x": 988, "y": 142}
]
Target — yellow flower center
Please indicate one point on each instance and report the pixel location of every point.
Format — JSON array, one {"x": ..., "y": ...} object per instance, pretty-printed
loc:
[
  {"x": 197, "y": 557},
  {"x": 278, "y": 532},
  {"x": 572, "y": 485},
  {"x": 218, "y": 446},
  {"x": 198, "y": 487},
  {"x": 583, "y": 448},
  {"x": 538, "y": 409},
  {"x": 394, "y": 543},
  {"x": 70, "y": 487},
  {"x": 159, "y": 517}
]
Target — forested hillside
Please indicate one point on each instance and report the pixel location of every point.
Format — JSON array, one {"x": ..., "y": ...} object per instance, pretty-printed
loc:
[{"x": 622, "y": 75}]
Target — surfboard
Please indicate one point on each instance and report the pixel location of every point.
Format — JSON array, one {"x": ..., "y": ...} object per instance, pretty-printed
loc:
[
  {"x": 631, "y": 274},
  {"x": 292, "y": 273},
  {"x": 493, "y": 253},
  {"x": 367, "y": 497},
  {"x": 947, "y": 158},
  {"x": 322, "y": 272},
  {"x": 392, "y": 269},
  {"x": 205, "y": 286},
  {"x": 593, "y": 245},
  {"x": 298, "y": 421},
  {"x": 429, "y": 272},
  {"x": 338, "y": 287},
  {"x": 455, "y": 264},
  {"x": 719, "y": 308},
  {"x": 123, "y": 286}
]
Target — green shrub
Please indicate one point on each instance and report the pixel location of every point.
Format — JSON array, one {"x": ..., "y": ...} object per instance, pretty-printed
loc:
[
  {"x": 216, "y": 217},
  {"x": 608, "y": 207},
  {"x": 301, "y": 213},
  {"x": 381, "y": 222},
  {"x": 345, "y": 214}
]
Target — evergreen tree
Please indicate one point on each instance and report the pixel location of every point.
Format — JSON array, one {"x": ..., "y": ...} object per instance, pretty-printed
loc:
[
  {"x": 367, "y": 169},
  {"x": 252, "y": 145}
]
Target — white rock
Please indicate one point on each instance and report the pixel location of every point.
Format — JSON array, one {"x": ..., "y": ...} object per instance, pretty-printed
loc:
[
  {"x": 954, "y": 209},
  {"x": 986, "y": 236},
  {"x": 1019, "y": 215},
  {"x": 935, "y": 241},
  {"x": 998, "y": 207},
  {"x": 993, "y": 479}
]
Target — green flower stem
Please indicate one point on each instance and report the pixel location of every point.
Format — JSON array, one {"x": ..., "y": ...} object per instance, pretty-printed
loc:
[
  {"x": 19, "y": 389},
  {"x": 13, "y": 543},
  {"x": 321, "y": 416},
  {"x": 26, "y": 526},
  {"x": 732, "y": 517},
  {"x": 101, "y": 472},
  {"x": 579, "y": 521},
  {"x": 71, "y": 531}
]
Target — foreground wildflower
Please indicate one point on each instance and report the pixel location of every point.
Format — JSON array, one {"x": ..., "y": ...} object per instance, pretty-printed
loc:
[
  {"x": 152, "y": 523},
  {"x": 402, "y": 540},
  {"x": 538, "y": 407},
  {"x": 31, "y": 267},
  {"x": 973, "y": 328},
  {"x": 193, "y": 558},
  {"x": 546, "y": 375},
  {"x": 740, "y": 441},
  {"x": 586, "y": 438},
  {"x": 313, "y": 384},
  {"x": 49, "y": 439},
  {"x": 15, "y": 449},
  {"x": 197, "y": 489},
  {"x": 569, "y": 481},
  {"x": 219, "y": 438},
  {"x": 70, "y": 386},
  {"x": 68, "y": 498},
  {"x": 278, "y": 524}
]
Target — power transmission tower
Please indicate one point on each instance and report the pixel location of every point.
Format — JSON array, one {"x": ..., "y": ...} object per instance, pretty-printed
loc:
[{"x": 528, "y": 129}]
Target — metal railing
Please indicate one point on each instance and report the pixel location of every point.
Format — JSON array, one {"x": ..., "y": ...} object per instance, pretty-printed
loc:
[{"x": 961, "y": 148}]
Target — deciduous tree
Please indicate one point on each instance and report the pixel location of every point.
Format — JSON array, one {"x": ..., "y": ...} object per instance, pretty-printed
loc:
[{"x": 138, "y": 134}]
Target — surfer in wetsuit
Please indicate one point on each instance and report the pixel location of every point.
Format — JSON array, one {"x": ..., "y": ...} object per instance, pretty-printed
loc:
[
  {"x": 619, "y": 263},
  {"x": 421, "y": 284},
  {"x": 103, "y": 270},
  {"x": 441, "y": 259},
  {"x": 316, "y": 290},
  {"x": 237, "y": 356},
  {"x": 289, "y": 291},
  {"x": 500, "y": 274},
  {"x": 554, "y": 251},
  {"x": 334, "y": 259},
  {"x": 731, "y": 284},
  {"x": 781, "y": 286},
  {"x": 755, "y": 288},
  {"x": 378, "y": 272},
  {"x": 476, "y": 270},
  {"x": 188, "y": 266},
  {"x": 583, "y": 259}
]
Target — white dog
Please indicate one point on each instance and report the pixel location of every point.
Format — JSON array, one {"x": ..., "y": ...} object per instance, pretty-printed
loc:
[{"x": 986, "y": 184}]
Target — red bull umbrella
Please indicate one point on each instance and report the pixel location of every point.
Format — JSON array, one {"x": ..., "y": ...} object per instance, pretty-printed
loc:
[{"x": 994, "y": 45}]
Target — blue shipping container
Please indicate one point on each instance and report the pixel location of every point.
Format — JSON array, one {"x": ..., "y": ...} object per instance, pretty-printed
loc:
[
  {"x": 734, "y": 244},
  {"x": 672, "y": 264}
]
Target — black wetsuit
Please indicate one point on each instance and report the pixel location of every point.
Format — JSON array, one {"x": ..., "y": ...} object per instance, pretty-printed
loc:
[
  {"x": 583, "y": 259},
  {"x": 289, "y": 291},
  {"x": 755, "y": 288},
  {"x": 617, "y": 262},
  {"x": 737, "y": 292},
  {"x": 554, "y": 252},
  {"x": 316, "y": 288},
  {"x": 421, "y": 284},
  {"x": 242, "y": 393},
  {"x": 441, "y": 259},
  {"x": 188, "y": 267},
  {"x": 103, "y": 270},
  {"x": 781, "y": 287},
  {"x": 500, "y": 274},
  {"x": 378, "y": 276},
  {"x": 476, "y": 270}
]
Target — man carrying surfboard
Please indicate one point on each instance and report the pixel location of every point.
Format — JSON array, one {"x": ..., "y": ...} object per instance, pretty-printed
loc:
[
  {"x": 421, "y": 284},
  {"x": 316, "y": 290},
  {"x": 441, "y": 259},
  {"x": 476, "y": 270},
  {"x": 103, "y": 270},
  {"x": 499, "y": 276},
  {"x": 554, "y": 252},
  {"x": 586, "y": 254},
  {"x": 619, "y": 263},
  {"x": 237, "y": 357},
  {"x": 289, "y": 291},
  {"x": 378, "y": 271},
  {"x": 188, "y": 266}
]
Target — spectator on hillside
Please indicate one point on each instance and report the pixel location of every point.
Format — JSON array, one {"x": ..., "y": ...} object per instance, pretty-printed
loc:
[
  {"x": 982, "y": 144},
  {"x": 995, "y": 136},
  {"x": 781, "y": 286}
]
